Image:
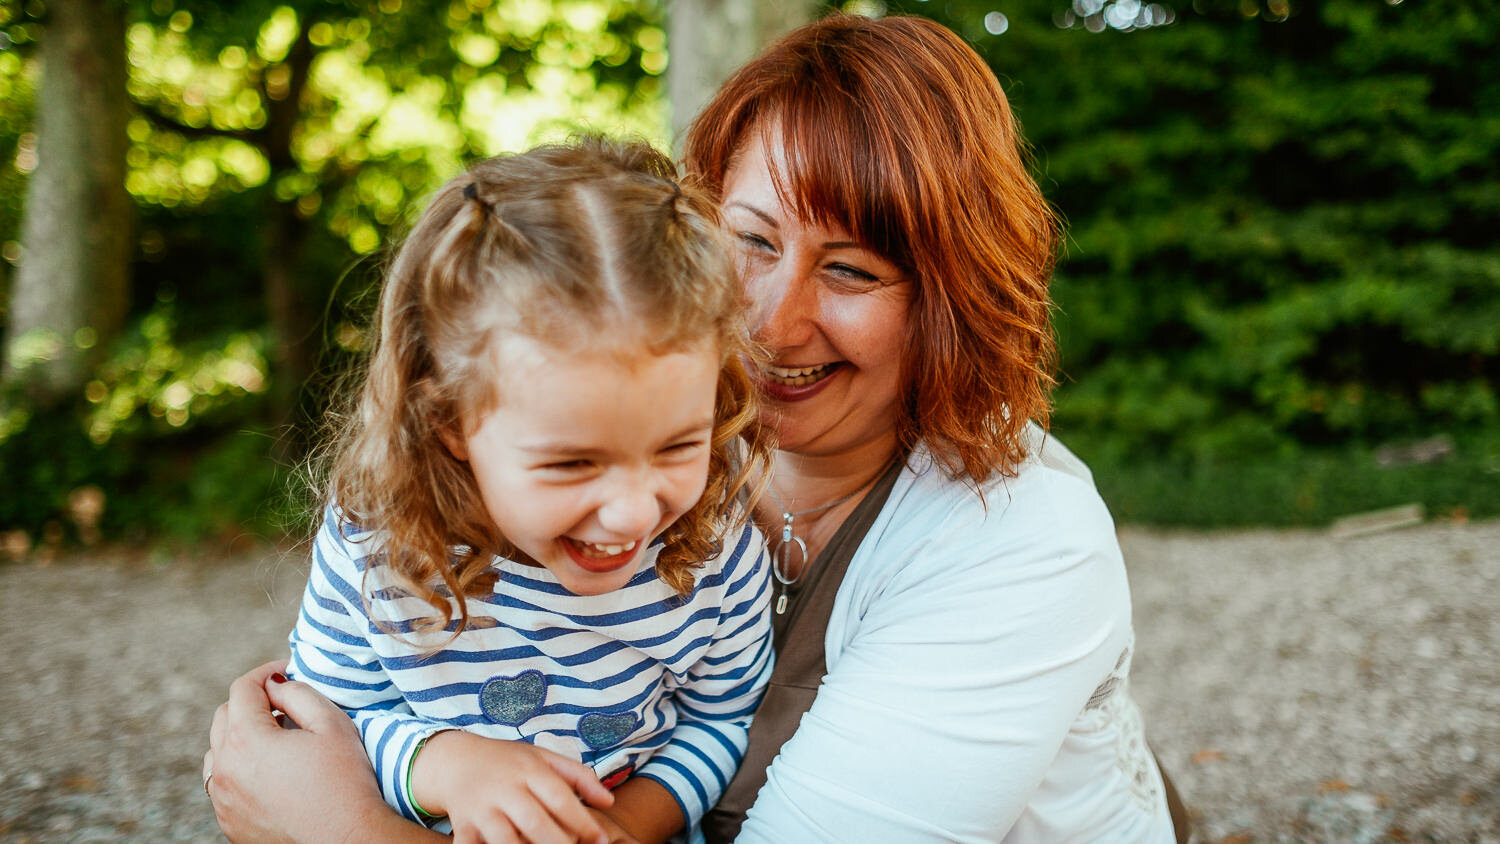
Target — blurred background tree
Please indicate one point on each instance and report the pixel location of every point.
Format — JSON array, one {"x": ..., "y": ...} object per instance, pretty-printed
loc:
[
  {"x": 1280, "y": 253},
  {"x": 1278, "y": 268},
  {"x": 273, "y": 150}
]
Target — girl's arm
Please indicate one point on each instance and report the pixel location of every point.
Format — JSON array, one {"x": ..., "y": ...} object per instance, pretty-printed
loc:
[
  {"x": 715, "y": 703},
  {"x": 502, "y": 788}
]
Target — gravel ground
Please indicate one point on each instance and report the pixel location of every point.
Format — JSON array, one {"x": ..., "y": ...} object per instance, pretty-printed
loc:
[{"x": 1298, "y": 687}]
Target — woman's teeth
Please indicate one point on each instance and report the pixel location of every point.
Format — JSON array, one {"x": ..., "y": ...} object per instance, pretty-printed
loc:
[
  {"x": 795, "y": 377},
  {"x": 595, "y": 549}
]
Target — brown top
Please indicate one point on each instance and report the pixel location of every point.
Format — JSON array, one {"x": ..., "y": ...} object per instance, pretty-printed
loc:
[{"x": 798, "y": 639}]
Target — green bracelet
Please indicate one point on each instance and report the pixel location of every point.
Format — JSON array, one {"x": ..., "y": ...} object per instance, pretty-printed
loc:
[{"x": 411, "y": 797}]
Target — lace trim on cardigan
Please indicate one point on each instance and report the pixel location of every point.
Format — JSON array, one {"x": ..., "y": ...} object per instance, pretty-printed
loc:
[{"x": 1110, "y": 707}]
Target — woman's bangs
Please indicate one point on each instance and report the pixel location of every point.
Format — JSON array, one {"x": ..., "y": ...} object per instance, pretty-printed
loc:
[{"x": 840, "y": 174}]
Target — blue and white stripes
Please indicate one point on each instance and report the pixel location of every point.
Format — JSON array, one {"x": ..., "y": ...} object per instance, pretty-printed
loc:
[{"x": 638, "y": 677}]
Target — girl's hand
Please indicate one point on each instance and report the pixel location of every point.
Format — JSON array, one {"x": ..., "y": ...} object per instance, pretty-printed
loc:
[{"x": 500, "y": 791}]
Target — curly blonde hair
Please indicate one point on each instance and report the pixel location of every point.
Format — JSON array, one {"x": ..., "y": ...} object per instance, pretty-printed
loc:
[{"x": 557, "y": 243}]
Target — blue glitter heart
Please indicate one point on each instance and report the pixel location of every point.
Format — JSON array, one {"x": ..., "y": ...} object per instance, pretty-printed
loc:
[
  {"x": 599, "y": 731},
  {"x": 511, "y": 700}
]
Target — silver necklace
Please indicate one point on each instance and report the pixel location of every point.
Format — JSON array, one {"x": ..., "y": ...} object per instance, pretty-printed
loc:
[{"x": 790, "y": 539}]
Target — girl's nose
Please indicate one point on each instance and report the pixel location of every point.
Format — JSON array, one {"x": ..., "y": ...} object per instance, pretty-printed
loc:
[{"x": 632, "y": 509}]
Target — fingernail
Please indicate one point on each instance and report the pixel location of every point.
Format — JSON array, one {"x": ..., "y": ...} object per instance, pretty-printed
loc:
[{"x": 278, "y": 677}]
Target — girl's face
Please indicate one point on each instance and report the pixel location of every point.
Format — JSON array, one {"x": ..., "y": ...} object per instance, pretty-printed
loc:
[
  {"x": 588, "y": 456},
  {"x": 831, "y": 313}
]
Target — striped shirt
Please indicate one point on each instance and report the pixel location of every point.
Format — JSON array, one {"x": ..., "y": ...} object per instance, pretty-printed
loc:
[{"x": 639, "y": 681}]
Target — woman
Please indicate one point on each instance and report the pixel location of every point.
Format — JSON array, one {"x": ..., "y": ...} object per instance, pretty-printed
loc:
[{"x": 952, "y": 619}]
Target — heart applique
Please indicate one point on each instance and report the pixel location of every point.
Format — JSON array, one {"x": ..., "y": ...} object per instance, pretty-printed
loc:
[
  {"x": 599, "y": 730},
  {"x": 511, "y": 700}
]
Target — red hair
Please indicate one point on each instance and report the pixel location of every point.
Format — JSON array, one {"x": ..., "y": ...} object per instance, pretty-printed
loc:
[{"x": 896, "y": 130}]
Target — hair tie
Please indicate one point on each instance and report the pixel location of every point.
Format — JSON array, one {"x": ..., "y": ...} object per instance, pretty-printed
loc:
[{"x": 471, "y": 190}]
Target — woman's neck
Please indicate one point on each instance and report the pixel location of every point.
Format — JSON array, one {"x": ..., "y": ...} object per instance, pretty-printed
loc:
[
  {"x": 802, "y": 484},
  {"x": 802, "y": 481}
]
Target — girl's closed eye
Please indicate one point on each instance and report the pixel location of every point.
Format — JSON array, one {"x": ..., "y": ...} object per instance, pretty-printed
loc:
[
  {"x": 568, "y": 468},
  {"x": 686, "y": 450}
]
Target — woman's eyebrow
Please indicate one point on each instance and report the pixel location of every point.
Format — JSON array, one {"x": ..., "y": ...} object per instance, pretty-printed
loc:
[
  {"x": 766, "y": 218},
  {"x": 770, "y": 221}
]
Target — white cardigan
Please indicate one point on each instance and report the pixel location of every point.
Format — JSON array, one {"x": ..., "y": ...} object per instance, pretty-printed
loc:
[{"x": 978, "y": 655}]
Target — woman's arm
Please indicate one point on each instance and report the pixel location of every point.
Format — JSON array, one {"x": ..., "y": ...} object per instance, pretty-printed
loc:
[
  {"x": 308, "y": 785},
  {"x": 958, "y": 661}
]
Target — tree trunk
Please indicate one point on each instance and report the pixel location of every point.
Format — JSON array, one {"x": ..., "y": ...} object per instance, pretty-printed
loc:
[
  {"x": 710, "y": 39},
  {"x": 71, "y": 291},
  {"x": 294, "y": 335}
]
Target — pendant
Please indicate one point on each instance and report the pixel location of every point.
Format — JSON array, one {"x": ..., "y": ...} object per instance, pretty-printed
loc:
[{"x": 781, "y": 560}]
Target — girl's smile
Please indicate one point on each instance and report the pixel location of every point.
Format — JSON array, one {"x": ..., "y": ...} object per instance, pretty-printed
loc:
[{"x": 581, "y": 469}]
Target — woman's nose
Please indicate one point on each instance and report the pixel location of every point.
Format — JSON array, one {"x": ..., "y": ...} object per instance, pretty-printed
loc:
[
  {"x": 631, "y": 510},
  {"x": 782, "y": 306}
]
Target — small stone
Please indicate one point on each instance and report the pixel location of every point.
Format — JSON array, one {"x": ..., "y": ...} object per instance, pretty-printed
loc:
[
  {"x": 1428, "y": 647},
  {"x": 1416, "y": 611},
  {"x": 62, "y": 823},
  {"x": 31, "y": 781},
  {"x": 1468, "y": 752}
]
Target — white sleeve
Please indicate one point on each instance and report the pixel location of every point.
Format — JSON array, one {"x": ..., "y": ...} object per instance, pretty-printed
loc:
[{"x": 950, "y": 700}]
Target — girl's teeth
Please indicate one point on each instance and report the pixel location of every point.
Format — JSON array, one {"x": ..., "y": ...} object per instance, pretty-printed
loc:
[{"x": 607, "y": 550}]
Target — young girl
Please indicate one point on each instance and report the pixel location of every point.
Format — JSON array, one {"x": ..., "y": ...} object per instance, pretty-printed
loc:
[{"x": 532, "y": 530}]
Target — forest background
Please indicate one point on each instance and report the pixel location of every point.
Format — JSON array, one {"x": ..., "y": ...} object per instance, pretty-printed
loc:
[{"x": 1278, "y": 301}]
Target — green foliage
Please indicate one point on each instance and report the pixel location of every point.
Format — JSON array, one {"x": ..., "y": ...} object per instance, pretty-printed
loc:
[
  {"x": 1281, "y": 223},
  {"x": 1280, "y": 214},
  {"x": 1313, "y": 487},
  {"x": 273, "y": 146},
  {"x": 17, "y": 147},
  {"x": 391, "y": 97},
  {"x": 167, "y": 433}
]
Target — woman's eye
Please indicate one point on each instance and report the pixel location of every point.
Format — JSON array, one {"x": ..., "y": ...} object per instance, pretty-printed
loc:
[
  {"x": 853, "y": 274},
  {"x": 755, "y": 241}
]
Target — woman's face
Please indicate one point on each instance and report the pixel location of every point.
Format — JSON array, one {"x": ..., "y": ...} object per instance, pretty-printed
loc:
[{"x": 831, "y": 313}]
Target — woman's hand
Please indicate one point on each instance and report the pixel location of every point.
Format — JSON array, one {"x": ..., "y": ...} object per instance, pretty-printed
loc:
[
  {"x": 612, "y": 829},
  {"x": 273, "y": 784},
  {"x": 508, "y": 791}
]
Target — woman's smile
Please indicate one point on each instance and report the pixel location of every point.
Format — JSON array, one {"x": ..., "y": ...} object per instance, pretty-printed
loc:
[{"x": 791, "y": 384}]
